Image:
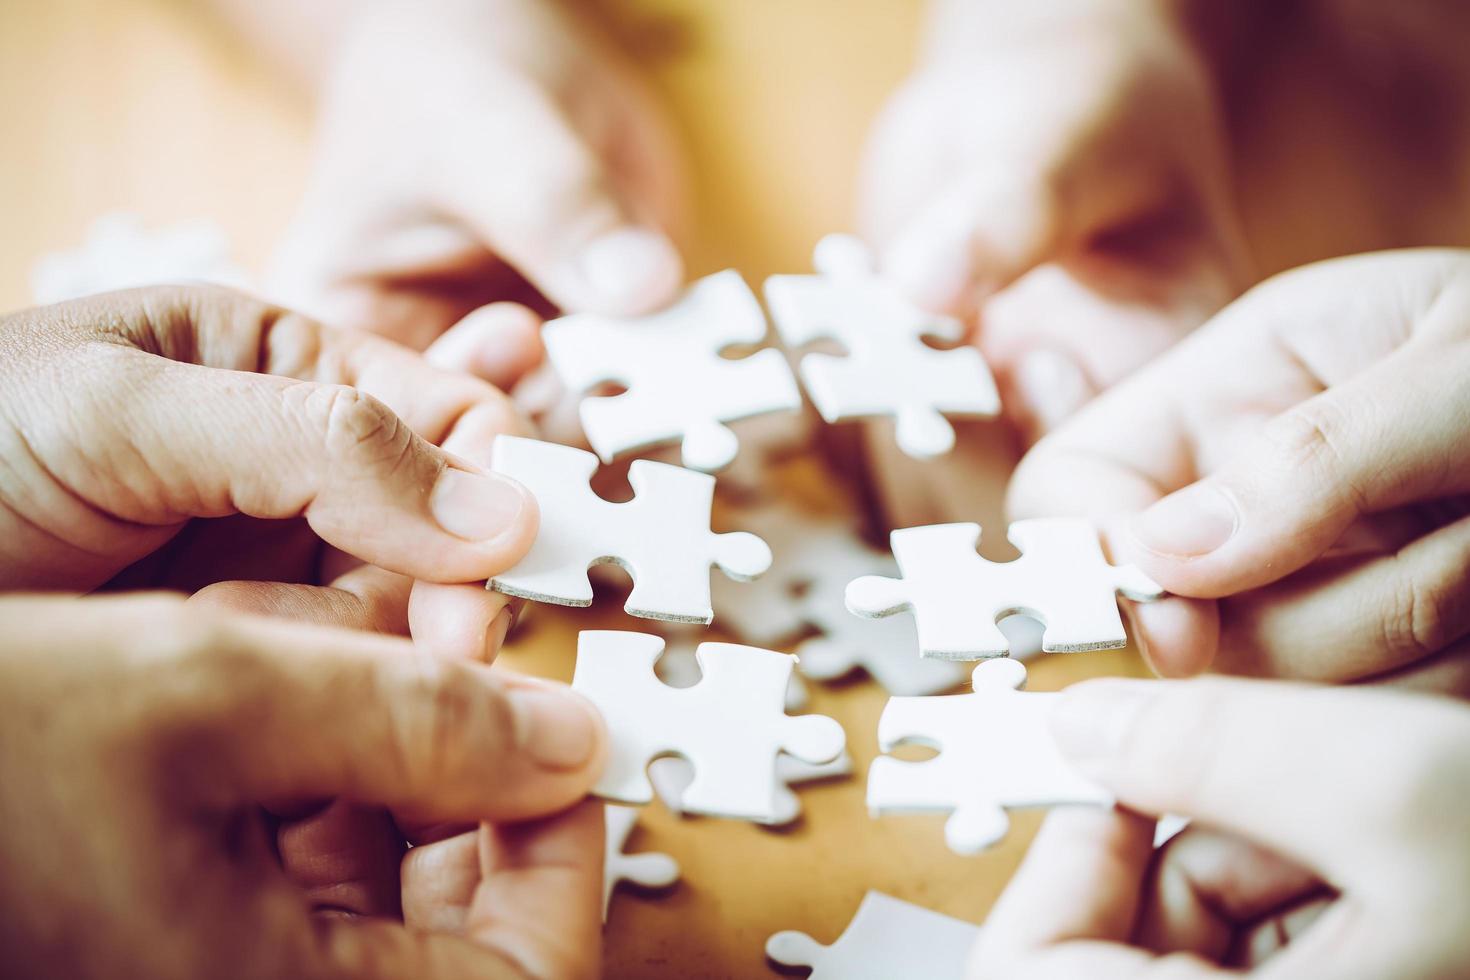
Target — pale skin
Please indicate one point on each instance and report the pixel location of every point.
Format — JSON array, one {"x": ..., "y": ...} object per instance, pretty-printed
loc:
[
  {"x": 1294, "y": 474},
  {"x": 1307, "y": 509},
  {"x": 1329, "y": 848}
]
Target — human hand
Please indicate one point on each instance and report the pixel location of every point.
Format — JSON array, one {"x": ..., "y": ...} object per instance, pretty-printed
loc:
[
  {"x": 145, "y": 745},
  {"x": 1066, "y": 163},
  {"x": 479, "y": 151},
  {"x": 1331, "y": 818},
  {"x": 168, "y": 438},
  {"x": 1296, "y": 469},
  {"x": 1100, "y": 176}
]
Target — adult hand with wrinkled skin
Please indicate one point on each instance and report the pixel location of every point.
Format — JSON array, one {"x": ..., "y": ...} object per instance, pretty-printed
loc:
[
  {"x": 470, "y": 152},
  {"x": 1322, "y": 846},
  {"x": 1294, "y": 473},
  {"x": 182, "y": 437},
  {"x": 146, "y": 744}
]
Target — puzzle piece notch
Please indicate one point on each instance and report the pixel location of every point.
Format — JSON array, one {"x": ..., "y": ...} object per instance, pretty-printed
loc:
[
  {"x": 887, "y": 938},
  {"x": 661, "y": 537},
  {"x": 679, "y": 668},
  {"x": 679, "y": 387},
  {"x": 672, "y": 776},
  {"x": 957, "y": 597},
  {"x": 996, "y": 752},
  {"x": 887, "y": 368},
  {"x": 730, "y": 726}
]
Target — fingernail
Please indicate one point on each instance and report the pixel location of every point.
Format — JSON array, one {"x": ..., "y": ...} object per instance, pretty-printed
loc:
[
  {"x": 1187, "y": 523},
  {"x": 499, "y": 629},
  {"x": 477, "y": 506},
  {"x": 631, "y": 267},
  {"x": 1052, "y": 386},
  {"x": 1092, "y": 720},
  {"x": 555, "y": 727}
]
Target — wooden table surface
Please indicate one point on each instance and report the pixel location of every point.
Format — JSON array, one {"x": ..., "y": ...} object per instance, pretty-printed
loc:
[{"x": 148, "y": 107}]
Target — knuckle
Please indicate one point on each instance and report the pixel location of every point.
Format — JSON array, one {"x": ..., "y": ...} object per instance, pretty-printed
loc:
[
  {"x": 1310, "y": 436},
  {"x": 1420, "y": 618},
  {"x": 1178, "y": 735},
  {"x": 357, "y": 426},
  {"x": 439, "y": 716}
]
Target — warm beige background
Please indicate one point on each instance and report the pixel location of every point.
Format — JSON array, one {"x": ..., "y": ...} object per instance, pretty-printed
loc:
[{"x": 145, "y": 106}]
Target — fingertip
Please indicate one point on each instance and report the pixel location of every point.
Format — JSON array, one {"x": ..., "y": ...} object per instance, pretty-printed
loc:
[
  {"x": 1177, "y": 637},
  {"x": 628, "y": 271},
  {"x": 930, "y": 262},
  {"x": 458, "y": 621},
  {"x": 1048, "y": 387},
  {"x": 500, "y": 343}
]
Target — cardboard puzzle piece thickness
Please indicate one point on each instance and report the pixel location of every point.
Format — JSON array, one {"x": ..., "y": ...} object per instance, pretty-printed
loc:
[
  {"x": 679, "y": 387},
  {"x": 957, "y": 597},
  {"x": 887, "y": 370},
  {"x": 996, "y": 752},
  {"x": 661, "y": 537},
  {"x": 730, "y": 726}
]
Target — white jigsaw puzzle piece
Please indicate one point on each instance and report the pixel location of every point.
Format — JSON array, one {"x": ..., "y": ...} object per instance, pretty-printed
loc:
[
  {"x": 887, "y": 369},
  {"x": 730, "y": 726},
  {"x": 648, "y": 869},
  {"x": 887, "y": 649},
  {"x": 996, "y": 752},
  {"x": 958, "y": 597},
  {"x": 888, "y": 939},
  {"x": 678, "y": 667},
  {"x": 120, "y": 253},
  {"x": 679, "y": 387},
  {"x": 662, "y": 536},
  {"x": 815, "y": 558},
  {"x": 672, "y": 776}
]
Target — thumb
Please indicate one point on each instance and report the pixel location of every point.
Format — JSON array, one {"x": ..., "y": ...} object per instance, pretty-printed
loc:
[
  {"x": 273, "y": 447},
  {"x": 1270, "y": 761},
  {"x": 1363, "y": 446}
]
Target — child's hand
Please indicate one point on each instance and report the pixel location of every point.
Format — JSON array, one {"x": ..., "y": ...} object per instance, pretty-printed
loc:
[
  {"x": 1105, "y": 174},
  {"x": 1335, "y": 820},
  {"x": 1301, "y": 473},
  {"x": 147, "y": 747},
  {"x": 179, "y": 437},
  {"x": 479, "y": 151}
]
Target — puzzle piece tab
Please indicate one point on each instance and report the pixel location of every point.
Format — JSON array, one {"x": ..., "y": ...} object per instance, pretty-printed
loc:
[
  {"x": 815, "y": 558},
  {"x": 887, "y": 939},
  {"x": 957, "y": 597},
  {"x": 679, "y": 387},
  {"x": 888, "y": 369},
  {"x": 730, "y": 726},
  {"x": 662, "y": 536},
  {"x": 995, "y": 753},
  {"x": 646, "y": 870}
]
